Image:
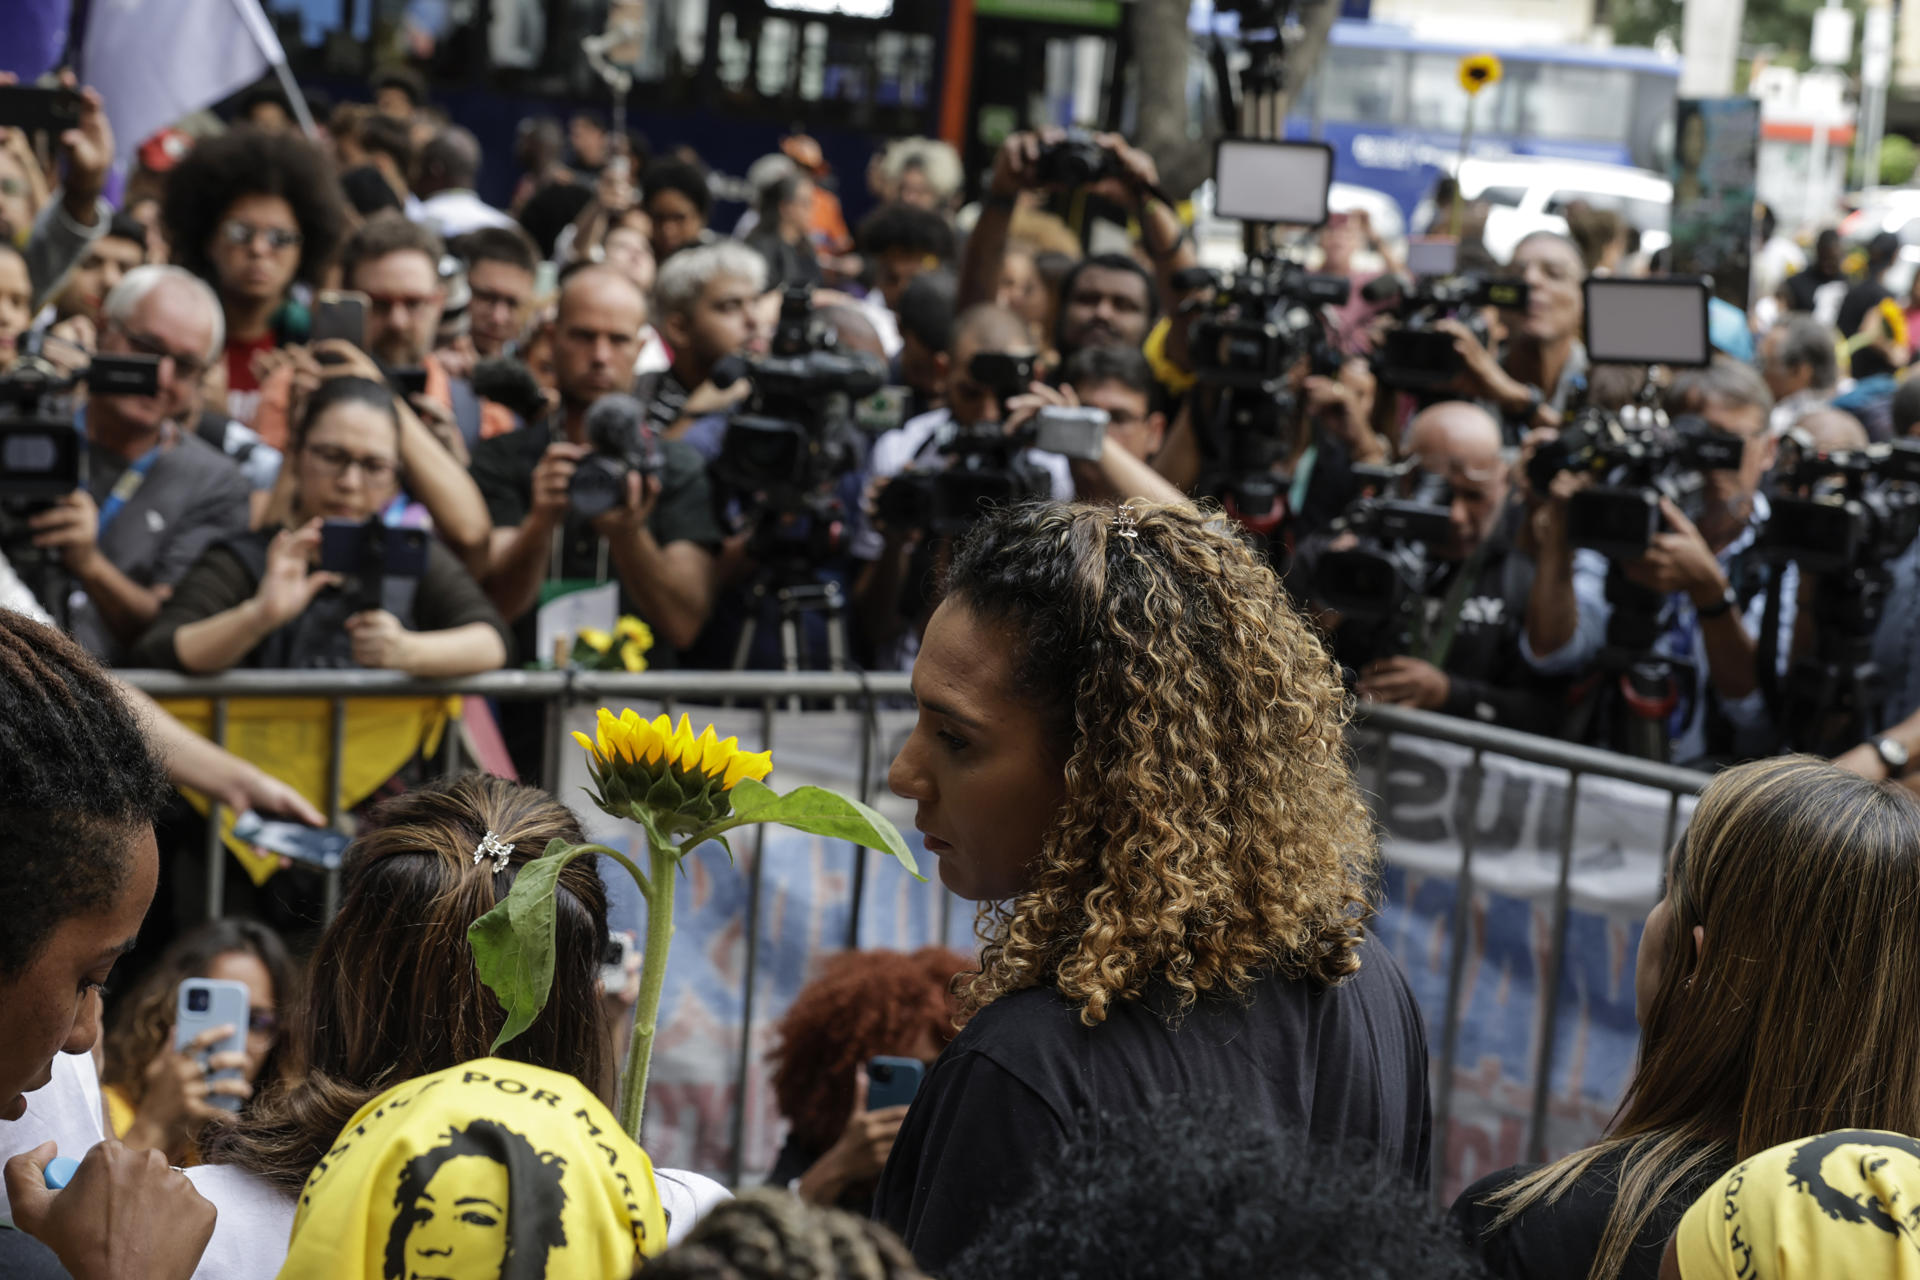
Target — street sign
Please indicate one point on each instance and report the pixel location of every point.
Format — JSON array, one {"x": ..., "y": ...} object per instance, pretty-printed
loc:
[{"x": 1832, "y": 44}]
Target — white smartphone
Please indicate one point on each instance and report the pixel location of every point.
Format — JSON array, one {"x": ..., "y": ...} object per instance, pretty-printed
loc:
[{"x": 202, "y": 1005}]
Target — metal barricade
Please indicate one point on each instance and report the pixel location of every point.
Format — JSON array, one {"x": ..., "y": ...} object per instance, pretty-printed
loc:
[{"x": 561, "y": 690}]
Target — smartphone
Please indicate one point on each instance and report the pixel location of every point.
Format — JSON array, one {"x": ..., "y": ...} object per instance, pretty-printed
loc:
[
  {"x": 621, "y": 944},
  {"x": 203, "y": 1004},
  {"x": 340, "y": 314},
  {"x": 39, "y": 110},
  {"x": 1073, "y": 432},
  {"x": 408, "y": 380},
  {"x": 316, "y": 847},
  {"x": 892, "y": 1082}
]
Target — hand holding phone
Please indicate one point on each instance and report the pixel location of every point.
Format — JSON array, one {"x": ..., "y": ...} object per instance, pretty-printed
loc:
[{"x": 203, "y": 1006}]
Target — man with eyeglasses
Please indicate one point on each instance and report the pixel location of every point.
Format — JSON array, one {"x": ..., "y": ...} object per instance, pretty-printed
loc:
[
  {"x": 396, "y": 265},
  {"x": 500, "y": 268},
  {"x": 156, "y": 495}
]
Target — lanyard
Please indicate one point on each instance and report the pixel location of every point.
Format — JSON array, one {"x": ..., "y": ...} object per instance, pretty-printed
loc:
[
  {"x": 1463, "y": 584},
  {"x": 128, "y": 485}
]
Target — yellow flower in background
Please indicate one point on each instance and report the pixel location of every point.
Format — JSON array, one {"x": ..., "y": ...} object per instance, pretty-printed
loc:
[
  {"x": 1894, "y": 321},
  {"x": 1479, "y": 70},
  {"x": 656, "y": 765}
]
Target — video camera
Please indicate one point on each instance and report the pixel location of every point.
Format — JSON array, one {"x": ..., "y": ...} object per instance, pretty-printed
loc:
[
  {"x": 623, "y": 444},
  {"x": 1414, "y": 355},
  {"x": 797, "y": 435},
  {"x": 1850, "y": 508},
  {"x": 1644, "y": 458},
  {"x": 42, "y": 457},
  {"x": 985, "y": 467},
  {"x": 1382, "y": 578}
]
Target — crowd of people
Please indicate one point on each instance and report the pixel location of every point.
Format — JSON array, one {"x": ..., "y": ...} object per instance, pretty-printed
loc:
[{"x": 318, "y": 404}]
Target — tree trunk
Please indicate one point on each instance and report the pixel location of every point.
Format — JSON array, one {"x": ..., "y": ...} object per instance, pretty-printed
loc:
[{"x": 1181, "y": 146}]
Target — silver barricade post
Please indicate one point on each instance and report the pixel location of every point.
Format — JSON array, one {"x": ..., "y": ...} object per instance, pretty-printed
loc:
[
  {"x": 756, "y": 878},
  {"x": 1556, "y": 965},
  {"x": 336, "y": 781},
  {"x": 216, "y": 854},
  {"x": 1459, "y": 930}
]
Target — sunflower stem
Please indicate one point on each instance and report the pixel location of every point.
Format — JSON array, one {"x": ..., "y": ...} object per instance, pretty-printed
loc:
[{"x": 663, "y": 861}]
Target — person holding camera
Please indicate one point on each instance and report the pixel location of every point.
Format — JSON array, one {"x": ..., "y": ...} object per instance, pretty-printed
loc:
[
  {"x": 1539, "y": 374},
  {"x": 1105, "y": 300},
  {"x": 396, "y": 265},
  {"x": 658, "y": 543},
  {"x": 261, "y": 599},
  {"x": 1709, "y": 584},
  {"x": 708, "y": 299},
  {"x": 1472, "y": 604},
  {"x": 155, "y": 495}
]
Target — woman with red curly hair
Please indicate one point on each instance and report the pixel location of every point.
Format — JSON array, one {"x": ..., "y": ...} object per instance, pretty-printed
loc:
[{"x": 863, "y": 1005}]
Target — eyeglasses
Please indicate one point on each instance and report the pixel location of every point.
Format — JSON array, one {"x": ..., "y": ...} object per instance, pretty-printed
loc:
[
  {"x": 337, "y": 460},
  {"x": 264, "y": 1021},
  {"x": 236, "y": 232},
  {"x": 187, "y": 368}
]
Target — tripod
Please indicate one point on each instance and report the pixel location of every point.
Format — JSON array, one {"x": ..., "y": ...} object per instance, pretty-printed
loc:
[
  {"x": 1636, "y": 689},
  {"x": 1834, "y": 696},
  {"x": 790, "y": 576}
]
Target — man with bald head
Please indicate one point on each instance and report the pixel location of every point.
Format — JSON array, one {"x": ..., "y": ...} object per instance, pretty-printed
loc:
[
  {"x": 445, "y": 174},
  {"x": 1466, "y": 658},
  {"x": 658, "y": 544}
]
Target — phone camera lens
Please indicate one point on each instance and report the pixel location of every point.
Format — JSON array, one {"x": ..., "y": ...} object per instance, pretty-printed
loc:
[
  {"x": 883, "y": 1074},
  {"x": 199, "y": 1000}
]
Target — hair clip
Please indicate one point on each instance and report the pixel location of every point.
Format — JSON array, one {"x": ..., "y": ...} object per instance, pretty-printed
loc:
[
  {"x": 491, "y": 847},
  {"x": 1123, "y": 523}
]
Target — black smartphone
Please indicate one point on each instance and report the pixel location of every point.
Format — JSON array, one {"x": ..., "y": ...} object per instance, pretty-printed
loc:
[
  {"x": 340, "y": 314},
  {"x": 408, "y": 380},
  {"x": 316, "y": 847},
  {"x": 39, "y": 110}
]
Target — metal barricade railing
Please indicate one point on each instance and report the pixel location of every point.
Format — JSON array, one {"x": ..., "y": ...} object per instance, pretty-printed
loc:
[
  {"x": 1579, "y": 762},
  {"x": 561, "y": 690}
]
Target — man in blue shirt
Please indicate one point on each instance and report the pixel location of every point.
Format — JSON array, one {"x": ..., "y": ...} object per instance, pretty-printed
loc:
[{"x": 1707, "y": 574}]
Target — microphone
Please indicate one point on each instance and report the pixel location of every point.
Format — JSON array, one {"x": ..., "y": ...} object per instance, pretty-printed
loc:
[
  {"x": 511, "y": 384},
  {"x": 613, "y": 420},
  {"x": 728, "y": 371}
]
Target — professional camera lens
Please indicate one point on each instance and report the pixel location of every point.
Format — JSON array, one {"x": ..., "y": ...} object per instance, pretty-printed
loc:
[{"x": 599, "y": 485}]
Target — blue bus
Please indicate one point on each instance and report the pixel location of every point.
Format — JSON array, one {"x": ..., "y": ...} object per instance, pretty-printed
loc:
[{"x": 1391, "y": 106}]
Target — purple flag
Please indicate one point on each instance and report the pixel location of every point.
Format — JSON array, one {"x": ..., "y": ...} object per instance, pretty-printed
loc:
[{"x": 32, "y": 34}]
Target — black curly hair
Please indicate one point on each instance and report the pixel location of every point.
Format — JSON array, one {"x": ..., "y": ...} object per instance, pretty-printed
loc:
[
  {"x": 1186, "y": 1188},
  {"x": 247, "y": 162},
  {"x": 77, "y": 782},
  {"x": 771, "y": 1235}
]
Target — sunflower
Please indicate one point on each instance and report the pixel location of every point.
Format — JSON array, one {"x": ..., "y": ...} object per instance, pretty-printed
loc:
[
  {"x": 1479, "y": 70},
  {"x": 681, "y": 778}
]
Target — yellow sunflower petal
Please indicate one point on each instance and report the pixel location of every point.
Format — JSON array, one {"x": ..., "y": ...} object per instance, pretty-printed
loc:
[
  {"x": 594, "y": 638},
  {"x": 585, "y": 741},
  {"x": 608, "y": 732},
  {"x": 680, "y": 751},
  {"x": 747, "y": 764},
  {"x": 705, "y": 750},
  {"x": 633, "y": 657}
]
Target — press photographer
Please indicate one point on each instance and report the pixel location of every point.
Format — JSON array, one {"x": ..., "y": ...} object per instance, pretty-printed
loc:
[
  {"x": 1534, "y": 379},
  {"x": 657, "y": 541},
  {"x": 152, "y": 495},
  {"x": 1845, "y": 513},
  {"x": 1107, "y": 299},
  {"x": 708, "y": 299},
  {"x": 1428, "y": 587},
  {"x": 1677, "y": 673}
]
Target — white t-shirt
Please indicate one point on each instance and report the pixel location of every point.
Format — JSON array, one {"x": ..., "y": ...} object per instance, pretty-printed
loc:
[
  {"x": 67, "y": 1111},
  {"x": 254, "y": 1224}
]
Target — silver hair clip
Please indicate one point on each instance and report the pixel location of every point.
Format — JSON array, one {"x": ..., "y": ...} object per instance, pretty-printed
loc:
[
  {"x": 491, "y": 847},
  {"x": 1123, "y": 523}
]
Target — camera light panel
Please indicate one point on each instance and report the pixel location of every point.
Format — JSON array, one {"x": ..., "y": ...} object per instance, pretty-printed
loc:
[
  {"x": 1648, "y": 321},
  {"x": 1261, "y": 181}
]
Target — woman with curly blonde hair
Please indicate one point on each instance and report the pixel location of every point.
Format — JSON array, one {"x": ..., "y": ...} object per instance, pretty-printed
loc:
[{"x": 1130, "y": 750}]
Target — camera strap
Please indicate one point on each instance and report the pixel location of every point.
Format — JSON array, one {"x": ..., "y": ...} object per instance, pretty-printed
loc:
[{"x": 1456, "y": 602}]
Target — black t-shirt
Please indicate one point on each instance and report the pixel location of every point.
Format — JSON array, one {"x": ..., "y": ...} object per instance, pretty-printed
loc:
[
  {"x": 1801, "y": 288},
  {"x": 1860, "y": 299},
  {"x": 1345, "y": 1065},
  {"x": 1561, "y": 1239},
  {"x": 24, "y": 1258},
  {"x": 503, "y": 468}
]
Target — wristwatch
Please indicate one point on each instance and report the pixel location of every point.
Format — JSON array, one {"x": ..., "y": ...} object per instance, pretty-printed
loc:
[
  {"x": 1893, "y": 754},
  {"x": 1723, "y": 605}
]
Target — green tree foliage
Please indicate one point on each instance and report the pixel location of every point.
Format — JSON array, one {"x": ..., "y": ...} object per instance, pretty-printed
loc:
[
  {"x": 1898, "y": 156},
  {"x": 1782, "y": 25}
]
